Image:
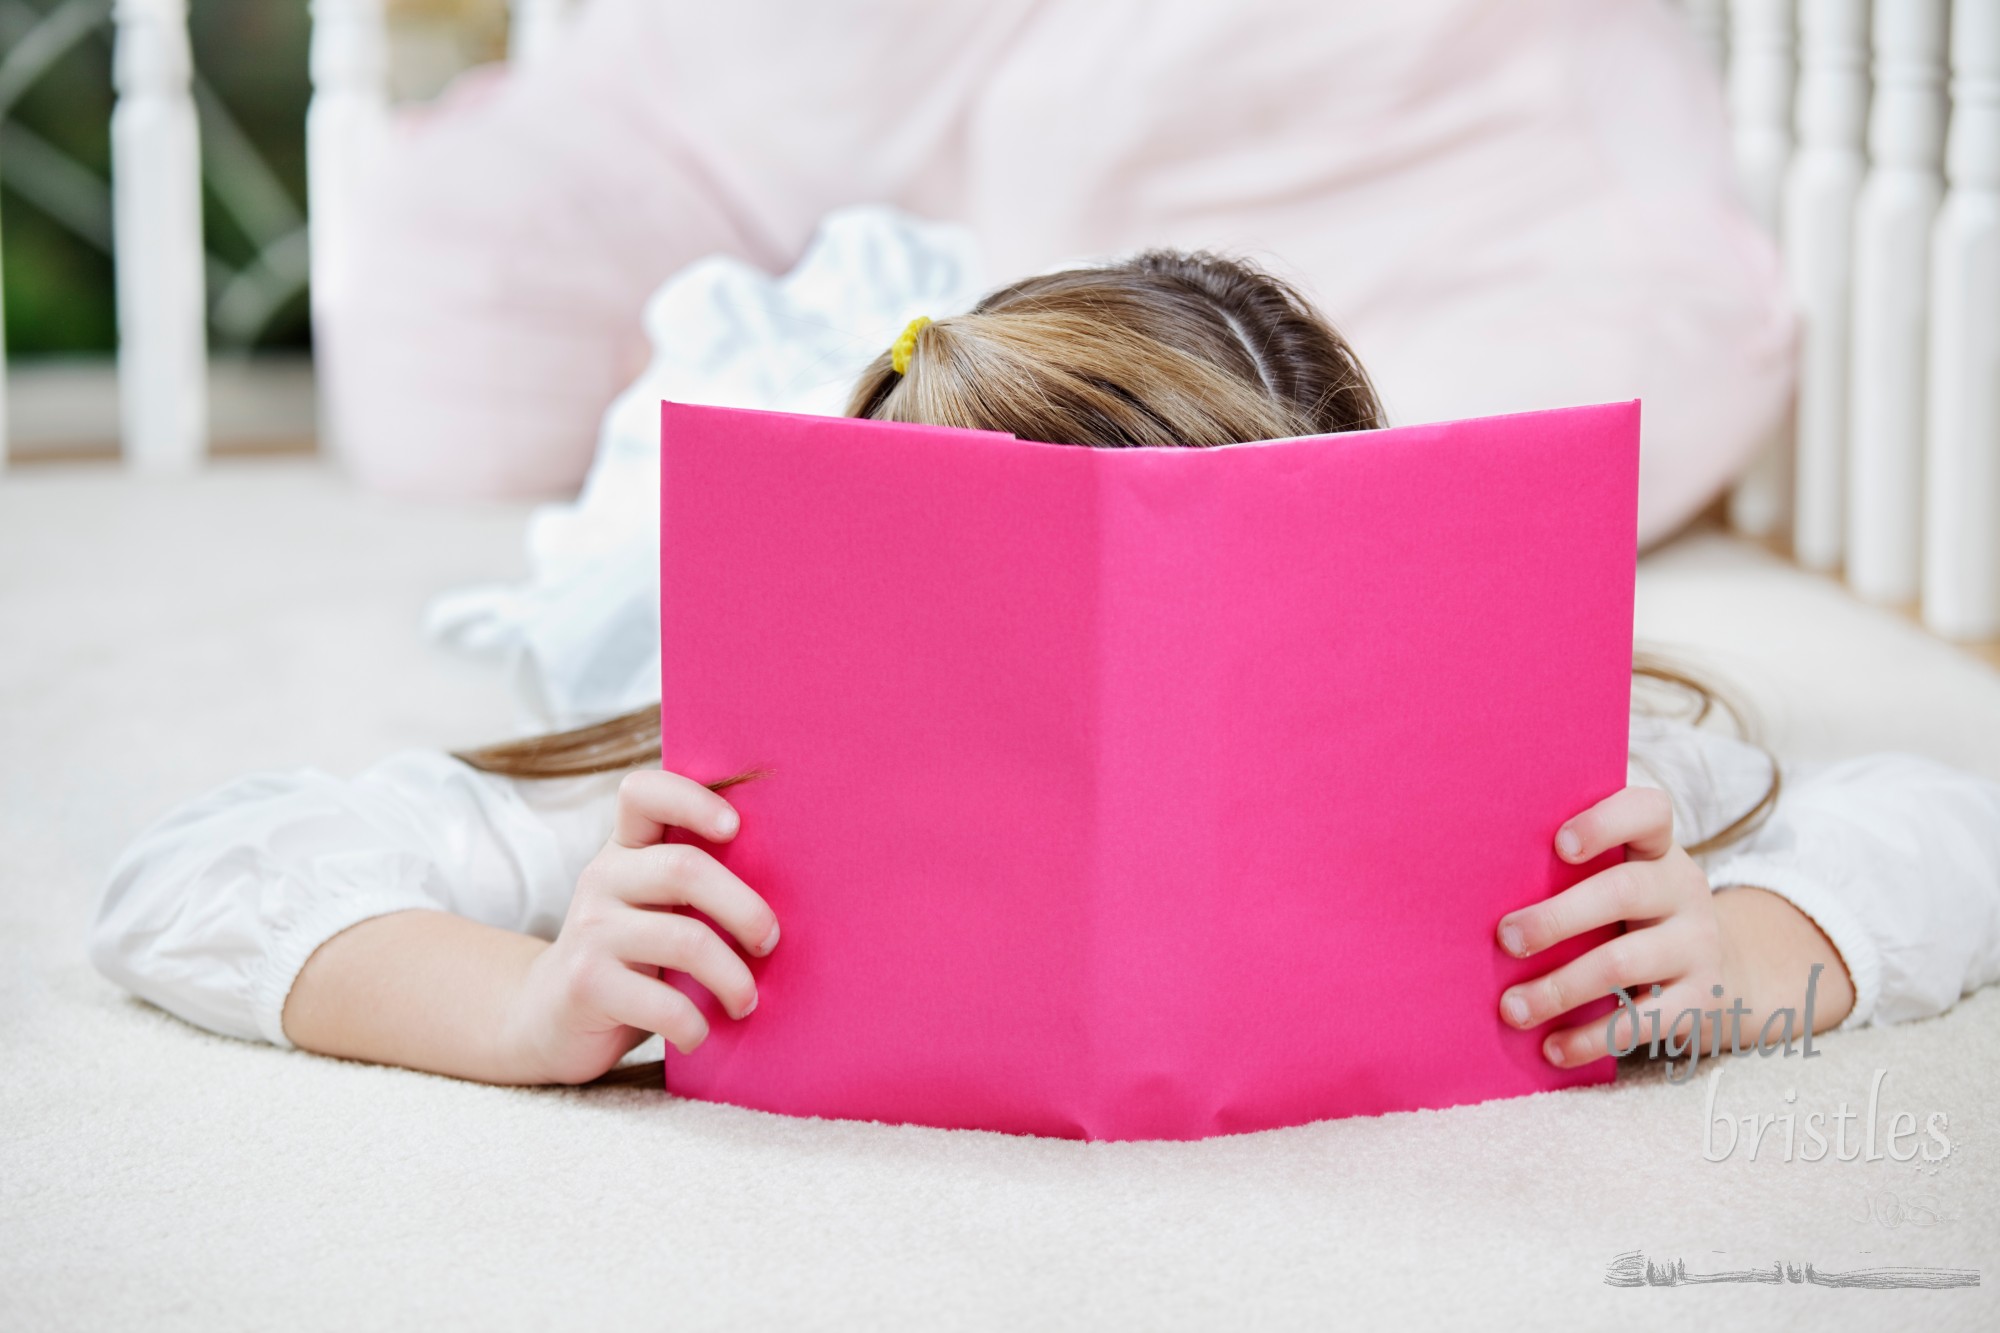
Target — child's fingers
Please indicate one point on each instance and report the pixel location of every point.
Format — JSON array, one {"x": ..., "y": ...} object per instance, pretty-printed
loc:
[
  {"x": 1634, "y": 958},
  {"x": 651, "y": 1005},
  {"x": 1585, "y": 1042},
  {"x": 1580, "y": 1045},
  {"x": 675, "y": 874},
  {"x": 652, "y": 800},
  {"x": 1629, "y": 891},
  {"x": 683, "y": 944},
  {"x": 1640, "y": 818}
]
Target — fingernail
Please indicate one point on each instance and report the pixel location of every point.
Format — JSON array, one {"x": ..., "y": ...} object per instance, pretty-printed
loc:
[
  {"x": 1553, "y": 1050},
  {"x": 1515, "y": 1008},
  {"x": 1510, "y": 939},
  {"x": 749, "y": 1008},
  {"x": 770, "y": 940},
  {"x": 1568, "y": 843},
  {"x": 726, "y": 824}
]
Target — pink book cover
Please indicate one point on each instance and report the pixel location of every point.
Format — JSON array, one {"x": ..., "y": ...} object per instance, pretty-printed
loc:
[{"x": 1142, "y": 793}]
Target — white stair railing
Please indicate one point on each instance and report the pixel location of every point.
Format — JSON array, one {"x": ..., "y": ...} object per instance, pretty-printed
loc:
[
  {"x": 1892, "y": 254},
  {"x": 1760, "y": 78},
  {"x": 1817, "y": 225},
  {"x": 157, "y": 195},
  {"x": 345, "y": 121},
  {"x": 156, "y": 216},
  {"x": 1710, "y": 20},
  {"x": 1889, "y": 471},
  {"x": 1961, "y": 574},
  {"x": 533, "y": 26}
]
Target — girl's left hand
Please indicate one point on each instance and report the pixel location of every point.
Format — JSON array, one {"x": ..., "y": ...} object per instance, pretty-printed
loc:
[{"x": 1672, "y": 936}]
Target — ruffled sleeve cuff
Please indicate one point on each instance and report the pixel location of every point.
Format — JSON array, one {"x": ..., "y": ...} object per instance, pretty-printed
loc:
[{"x": 371, "y": 893}]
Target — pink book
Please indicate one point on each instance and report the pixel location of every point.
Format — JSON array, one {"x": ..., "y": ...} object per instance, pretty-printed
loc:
[{"x": 1142, "y": 793}]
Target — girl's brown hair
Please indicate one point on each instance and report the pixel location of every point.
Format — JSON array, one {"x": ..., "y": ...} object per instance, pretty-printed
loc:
[{"x": 1165, "y": 348}]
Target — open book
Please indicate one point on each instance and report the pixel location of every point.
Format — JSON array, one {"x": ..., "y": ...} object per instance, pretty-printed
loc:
[{"x": 1142, "y": 793}]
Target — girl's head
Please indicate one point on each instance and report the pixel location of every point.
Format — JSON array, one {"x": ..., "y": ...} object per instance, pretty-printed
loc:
[{"x": 1162, "y": 349}]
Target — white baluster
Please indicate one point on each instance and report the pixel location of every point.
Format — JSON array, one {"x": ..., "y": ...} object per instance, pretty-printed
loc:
[
  {"x": 533, "y": 26},
  {"x": 1760, "y": 110},
  {"x": 1711, "y": 28},
  {"x": 345, "y": 122},
  {"x": 156, "y": 224},
  {"x": 1892, "y": 250},
  {"x": 1961, "y": 575},
  {"x": 1821, "y": 186}
]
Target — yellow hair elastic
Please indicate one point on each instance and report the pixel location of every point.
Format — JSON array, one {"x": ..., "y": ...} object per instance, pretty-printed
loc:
[{"x": 905, "y": 346}]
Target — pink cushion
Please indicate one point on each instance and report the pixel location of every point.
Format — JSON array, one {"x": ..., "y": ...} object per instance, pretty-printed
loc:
[{"x": 1505, "y": 205}]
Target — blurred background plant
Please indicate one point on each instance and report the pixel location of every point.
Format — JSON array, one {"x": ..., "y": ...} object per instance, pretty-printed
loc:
[{"x": 251, "y": 90}]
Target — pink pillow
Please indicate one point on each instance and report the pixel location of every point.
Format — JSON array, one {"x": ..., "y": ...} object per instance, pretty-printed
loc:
[{"x": 1505, "y": 205}]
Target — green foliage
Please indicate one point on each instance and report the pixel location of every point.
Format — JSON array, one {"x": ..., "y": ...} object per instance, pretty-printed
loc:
[{"x": 59, "y": 287}]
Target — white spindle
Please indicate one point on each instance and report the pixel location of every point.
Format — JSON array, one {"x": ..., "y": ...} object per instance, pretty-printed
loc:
[
  {"x": 345, "y": 122},
  {"x": 1711, "y": 28},
  {"x": 1821, "y": 186},
  {"x": 532, "y": 28},
  {"x": 1760, "y": 105},
  {"x": 156, "y": 217},
  {"x": 1961, "y": 575},
  {"x": 1892, "y": 249}
]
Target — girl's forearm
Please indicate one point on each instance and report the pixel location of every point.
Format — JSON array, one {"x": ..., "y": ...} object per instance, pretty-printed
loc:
[
  {"x": 1769, "y": 951},
  {"x": 426, "y": 990},
  {"x": 433, "y": 991}
]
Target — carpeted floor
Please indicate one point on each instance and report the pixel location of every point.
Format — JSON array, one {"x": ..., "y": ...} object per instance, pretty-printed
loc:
[{"x": 158, "y": 637}]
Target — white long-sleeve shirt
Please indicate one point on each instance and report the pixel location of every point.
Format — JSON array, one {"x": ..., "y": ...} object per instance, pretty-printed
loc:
[{"x": 211, "y": 913}]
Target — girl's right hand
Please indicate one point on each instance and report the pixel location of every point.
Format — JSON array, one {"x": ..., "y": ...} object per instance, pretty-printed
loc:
[{"x": 596, "y": 992}]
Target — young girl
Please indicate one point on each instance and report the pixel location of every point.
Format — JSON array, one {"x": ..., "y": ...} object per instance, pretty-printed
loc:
[{"x": 498, "y": 914}]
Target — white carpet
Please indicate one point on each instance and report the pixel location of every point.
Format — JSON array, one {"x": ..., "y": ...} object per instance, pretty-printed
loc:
[{"x": 156, "y": 638}]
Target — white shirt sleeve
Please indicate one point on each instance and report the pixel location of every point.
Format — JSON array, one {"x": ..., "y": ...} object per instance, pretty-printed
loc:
[
  {"x": 211, "y": 913},
  {"x": 1895, "y": 857}
]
